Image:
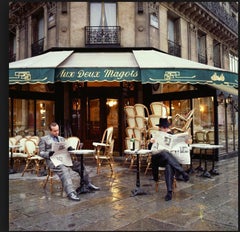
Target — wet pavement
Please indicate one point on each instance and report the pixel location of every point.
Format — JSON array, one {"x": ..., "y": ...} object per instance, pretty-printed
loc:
[{"x": 201, "y": 204}]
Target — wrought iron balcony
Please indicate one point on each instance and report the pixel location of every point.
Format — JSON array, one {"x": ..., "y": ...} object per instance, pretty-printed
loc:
[
  {"x": 37, "y": 47},
  {"x": 174, "y": 48},
  {"x": 102, "y": 35}
]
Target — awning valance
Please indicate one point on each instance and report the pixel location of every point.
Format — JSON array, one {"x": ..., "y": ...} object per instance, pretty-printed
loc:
[
  {"x": 146, "y": 66},
  {"x": 158, "y": 67},
  {"x": 37, "y": 69}
]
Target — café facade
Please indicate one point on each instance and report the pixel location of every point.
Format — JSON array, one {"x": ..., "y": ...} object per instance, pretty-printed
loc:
[{"x": 80, "y": 63}]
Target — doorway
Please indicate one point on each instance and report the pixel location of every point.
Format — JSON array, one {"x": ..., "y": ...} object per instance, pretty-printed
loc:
[{"x": 101, "y": 112}]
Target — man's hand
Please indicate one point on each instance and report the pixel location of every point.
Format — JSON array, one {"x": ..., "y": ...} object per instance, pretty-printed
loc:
[
  {"x": 50, "y": 153},
  {"x": 70, "y": 148}
]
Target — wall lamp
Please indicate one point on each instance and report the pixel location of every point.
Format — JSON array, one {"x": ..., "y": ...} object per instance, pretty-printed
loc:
[{"x": 221, "y": 98}]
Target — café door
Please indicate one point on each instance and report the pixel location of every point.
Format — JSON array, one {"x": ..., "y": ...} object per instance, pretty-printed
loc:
[{"x": 100, "y": 114}]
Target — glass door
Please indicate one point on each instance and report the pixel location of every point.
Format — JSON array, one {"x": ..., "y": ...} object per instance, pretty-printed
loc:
[{"x": 100, "y": 114}]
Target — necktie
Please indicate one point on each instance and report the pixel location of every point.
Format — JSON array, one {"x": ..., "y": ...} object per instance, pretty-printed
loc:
[{"x": 55, "y": 139}]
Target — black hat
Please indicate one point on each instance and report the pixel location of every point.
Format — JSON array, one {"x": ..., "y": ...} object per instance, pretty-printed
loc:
[{"x": 163, "y": 122}]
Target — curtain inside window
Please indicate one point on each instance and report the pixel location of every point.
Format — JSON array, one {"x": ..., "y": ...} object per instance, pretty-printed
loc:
[{"x": 103, "y": 16}]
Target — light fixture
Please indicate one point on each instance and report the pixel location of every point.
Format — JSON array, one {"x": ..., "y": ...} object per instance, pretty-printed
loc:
[
  {"x": 229, "y": 99},
  {"x": 220, "y": 98},
  {"x": 111, "y": 102}
]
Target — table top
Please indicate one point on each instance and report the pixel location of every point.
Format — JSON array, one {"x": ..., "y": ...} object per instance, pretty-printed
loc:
[
  {"x": 140, "y": 152},
  {"x": 82, "y": 151},
  {"x": 205, "y": 145}
]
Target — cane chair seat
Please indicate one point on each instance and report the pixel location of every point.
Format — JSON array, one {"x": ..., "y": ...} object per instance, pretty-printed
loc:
[
  {"x": 34, "y": 162},
  {"x": 129, "y": 111},
  {"x": 131, "y": 122},
  {"x": 19, "y": 154},
  {"x": 184, "y": 128},
  {"x": 153, "y": 120},
  {"x": 129, "y": 155},
  {"x": 104, "y": 149},
  {"x": 141, "y": 110},
  {"x": 129, "y": 132},
  {"x": 160, "y": 109},
  {"x": 183, "y": 117}
]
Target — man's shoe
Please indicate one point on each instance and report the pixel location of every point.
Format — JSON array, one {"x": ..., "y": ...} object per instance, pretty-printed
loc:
[
  {"x": 92, "y": 187},
  {"x": 73, "y": 196},
  {"x": 185, "y": 176},
  {"x": 168, "y": 197}
]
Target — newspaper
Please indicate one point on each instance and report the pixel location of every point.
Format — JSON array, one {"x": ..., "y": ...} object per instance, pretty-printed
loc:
[
  {"x": 61, "y": 154},
  {"x": 174, "y": 143}
]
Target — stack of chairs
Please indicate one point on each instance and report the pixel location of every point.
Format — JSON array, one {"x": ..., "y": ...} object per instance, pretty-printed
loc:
[{"x": 137, "y": 126}]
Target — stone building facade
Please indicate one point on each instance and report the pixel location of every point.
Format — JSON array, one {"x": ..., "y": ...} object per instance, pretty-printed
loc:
[{"x": 204, "y": 32}]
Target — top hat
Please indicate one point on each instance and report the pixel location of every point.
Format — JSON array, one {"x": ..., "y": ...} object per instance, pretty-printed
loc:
[{"x": 163, "y": 122}]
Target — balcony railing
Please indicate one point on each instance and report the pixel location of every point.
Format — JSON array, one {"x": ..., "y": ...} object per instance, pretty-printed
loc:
[
  {"x": 174, "y": 48},
  {"x": 37, "y": 47},
  {"x": 102, "y": 35}
]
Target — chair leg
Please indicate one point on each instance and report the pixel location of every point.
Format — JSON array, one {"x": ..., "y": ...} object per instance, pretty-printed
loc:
[
  {"x": 46, "y": 181},
  {"x": 26, "y": 167},
  {"x": 174, "y": 186}
]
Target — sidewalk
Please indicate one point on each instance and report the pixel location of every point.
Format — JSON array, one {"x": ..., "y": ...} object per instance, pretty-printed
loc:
[{"x": 202, "y": 204}]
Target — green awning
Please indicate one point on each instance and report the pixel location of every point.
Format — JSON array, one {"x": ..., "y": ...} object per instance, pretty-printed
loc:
[
  {"x": 158, "y": 67},
  {"x": 146, "y": 66}
]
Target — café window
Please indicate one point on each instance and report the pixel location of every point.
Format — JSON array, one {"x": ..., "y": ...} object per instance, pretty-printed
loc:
[{"x": 30, "y": 117}]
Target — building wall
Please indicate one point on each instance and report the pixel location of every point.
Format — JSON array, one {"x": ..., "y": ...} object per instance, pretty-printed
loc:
[
  {"x": 126, "y": 19},
  {"x": 136, "y": 31}
]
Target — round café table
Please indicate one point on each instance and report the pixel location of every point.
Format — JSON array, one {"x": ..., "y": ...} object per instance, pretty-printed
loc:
[
  {"x": 11, "y": 170},
  {"x": 205, "y": 147},
  {"x": 138, "y": 190},
  {"x": 81, "y": 153}
]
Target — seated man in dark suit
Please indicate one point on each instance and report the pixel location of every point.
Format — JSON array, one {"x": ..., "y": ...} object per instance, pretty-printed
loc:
[
  {"x": 163, "y": 158},
  {"x": 45, "y": 150}
]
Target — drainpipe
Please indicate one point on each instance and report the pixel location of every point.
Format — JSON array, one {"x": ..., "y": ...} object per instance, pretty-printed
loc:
[{"x": 189, "y": 41}]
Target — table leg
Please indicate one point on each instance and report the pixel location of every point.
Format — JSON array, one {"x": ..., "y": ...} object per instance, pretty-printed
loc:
[
  {"x": 11, "y": 170},
  {"x": 82, "y": 188},
  {"x": 199, "y": 168},
  {"x": 138, "y": 190},
  {"x": 190, "y": 170},
  {"x": 205, "y": 171},
  {"x": 214, "y": 171}
]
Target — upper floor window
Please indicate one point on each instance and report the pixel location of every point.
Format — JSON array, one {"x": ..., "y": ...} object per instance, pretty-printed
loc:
[
  {"x": 201, "y": 47},
  {"x": 103, "y": 14},
  {"x": 38, "y": 33},
  {"x": 102, "y": 30},
  {"x": 12, "y": 47},
  {"x": 174, "y": 47},
  {"x": 217, "y": 54},
  {"x": 233, "y": 63}
]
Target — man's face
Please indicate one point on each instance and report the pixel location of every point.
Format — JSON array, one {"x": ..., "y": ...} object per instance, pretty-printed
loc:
[
  {"x": 164, "y": 129},
  {"x": 54, "y": 130}
]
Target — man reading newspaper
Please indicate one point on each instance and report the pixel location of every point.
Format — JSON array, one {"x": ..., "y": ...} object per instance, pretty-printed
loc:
[
  {"x": 52, "y": 147},
  {"x": 162, "y": 156}
]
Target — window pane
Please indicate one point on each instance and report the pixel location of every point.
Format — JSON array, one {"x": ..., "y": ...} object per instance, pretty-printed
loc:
[
  {"x": 23, "y": 117},
  {"x": 44, "y": 116}
]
